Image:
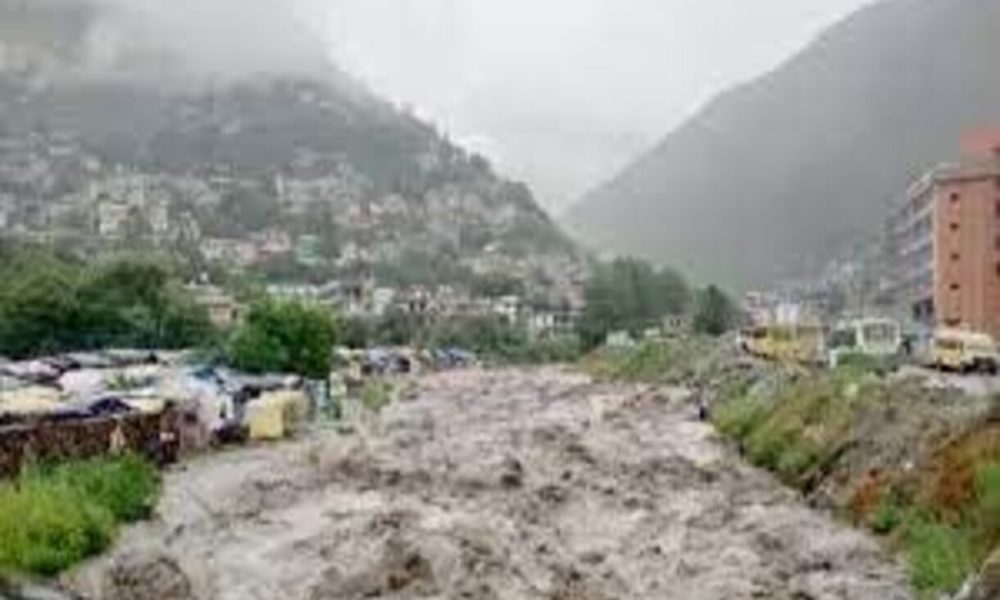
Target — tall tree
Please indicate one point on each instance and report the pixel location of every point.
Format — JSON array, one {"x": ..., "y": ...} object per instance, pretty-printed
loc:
[
  {"x": 630, "y": 294},
  {"x": 715, "y": 313}
]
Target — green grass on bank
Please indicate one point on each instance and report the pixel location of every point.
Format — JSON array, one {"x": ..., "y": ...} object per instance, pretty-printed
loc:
[
  {"x": 52, "y": 518},
  {"x": 655, "y": 361},
  {"x": 943, "y": 550},
  {"x": 800, "y": 426},
  {"x": 796, "y": 426}
]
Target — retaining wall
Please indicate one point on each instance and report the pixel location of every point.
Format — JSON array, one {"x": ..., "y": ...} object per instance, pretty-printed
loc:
[{"x": 53, "y": 441}]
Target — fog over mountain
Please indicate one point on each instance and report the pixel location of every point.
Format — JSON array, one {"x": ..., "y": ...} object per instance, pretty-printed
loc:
[
  {"x": 777, "y": 176},
  {"x": 168, "y": 42},
  {"x": 563, "y": 93}
]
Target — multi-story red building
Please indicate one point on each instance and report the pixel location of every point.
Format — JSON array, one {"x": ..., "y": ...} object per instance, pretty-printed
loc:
[{"x": 943, "y": 241}]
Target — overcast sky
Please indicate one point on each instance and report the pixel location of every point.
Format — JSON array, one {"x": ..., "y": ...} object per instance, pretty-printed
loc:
[{"x": 562, "y": 93}]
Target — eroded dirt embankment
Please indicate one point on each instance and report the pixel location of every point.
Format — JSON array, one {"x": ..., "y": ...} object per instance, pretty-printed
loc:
[{"x": 506, "y": 485}]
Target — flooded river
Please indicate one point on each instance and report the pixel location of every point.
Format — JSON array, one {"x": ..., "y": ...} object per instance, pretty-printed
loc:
[{"x": 500, "y": 485}]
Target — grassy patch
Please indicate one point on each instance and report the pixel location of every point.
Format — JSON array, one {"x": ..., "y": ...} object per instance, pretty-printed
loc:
[
  {"x": 889, "y": 515},
  {"x": 52, "y": 518},
  {"x": 985, "y": 516},
  {"x": 654, "y": 361},
  {"x": 940, "y": 556},
  {"x": 793, "y": 425},
  {"x": 942, "y": 510}
]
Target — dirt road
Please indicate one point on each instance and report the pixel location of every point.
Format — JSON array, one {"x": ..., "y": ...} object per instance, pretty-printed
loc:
[{"x": 507, "y": 485}]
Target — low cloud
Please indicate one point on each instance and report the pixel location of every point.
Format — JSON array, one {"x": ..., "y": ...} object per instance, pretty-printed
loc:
[{"x": 189, "y": 40}]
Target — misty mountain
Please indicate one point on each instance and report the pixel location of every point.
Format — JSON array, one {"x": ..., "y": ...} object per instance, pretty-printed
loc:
[
  {"x": 776, "y": 176},
  {"x": 107, "y": 141}
]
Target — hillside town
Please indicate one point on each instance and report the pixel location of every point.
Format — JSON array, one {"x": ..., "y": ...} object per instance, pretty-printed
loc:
[{"x": 320, "y": 234}]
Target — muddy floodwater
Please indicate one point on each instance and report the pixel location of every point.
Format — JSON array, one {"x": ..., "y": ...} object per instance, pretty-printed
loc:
[{"x": 497, "y": 485}]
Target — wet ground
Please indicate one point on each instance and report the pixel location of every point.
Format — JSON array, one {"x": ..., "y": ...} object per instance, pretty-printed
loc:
[{"x": 504, "y": 485}]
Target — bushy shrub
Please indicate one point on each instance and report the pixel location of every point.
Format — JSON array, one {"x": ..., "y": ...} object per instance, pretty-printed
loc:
[
  {"x": 53, "y": 518},
  {"x": 715, "y": 313},
  {"x": 45, "y": 528},
  {"x": 284, "y": 337},
  {"x": 940, "y": 556},
  {"x": 890, "y": 514},
  {"x": 128, "y": 486}
]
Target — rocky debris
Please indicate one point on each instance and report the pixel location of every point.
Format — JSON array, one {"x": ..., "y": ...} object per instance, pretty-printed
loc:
[
  {"x": 511, "y": 473},
  {"x": 146, "y": 575},
  {"x": 533, "y": 485},
  {"x": 401, "y": 571}
]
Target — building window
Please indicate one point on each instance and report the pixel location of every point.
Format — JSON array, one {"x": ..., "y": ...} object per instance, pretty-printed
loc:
[
  {"x": 955, "y": 287},
  {"x": 955, "y": 257},
  {"x": 954, "y": 227},
  {"x": 998, "y": 269},
  {"x": 955, "y": 198}
]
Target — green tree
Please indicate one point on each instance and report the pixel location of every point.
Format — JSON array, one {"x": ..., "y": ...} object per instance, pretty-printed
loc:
[
  {"x": 50, "y": 303},
  {"x": 715, "y": 313},
  {"x": 630, "y": 294},
  {"x": 284, "y": 337},
  {"x": 673, "y": 293},
  {"x": 39, "y": 310},
  {"x": 136, "y": 301}
]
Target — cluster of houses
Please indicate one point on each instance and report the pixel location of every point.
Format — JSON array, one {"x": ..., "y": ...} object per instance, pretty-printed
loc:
[
  {"x": 328, "y": 220},
  {"x": 557, "y": 317},
  {"x": 156, "y": 403},
  {"x": 165, "y": 405}
]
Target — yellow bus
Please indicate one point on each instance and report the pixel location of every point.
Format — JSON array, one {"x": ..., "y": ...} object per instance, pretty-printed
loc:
[{"x": 799, "y": 343}]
